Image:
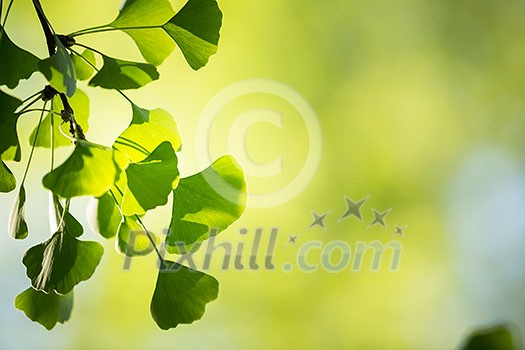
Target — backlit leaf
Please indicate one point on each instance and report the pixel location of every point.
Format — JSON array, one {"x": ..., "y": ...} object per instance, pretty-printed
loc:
[
  {"x": 195, "y": 29},
  {"x": 181, "y": 295},
  {"x": 46, "y": 309},
  {"x": 153, "y": 43},
  {"x": 62, "y": 262},
  {"x": 147, "y": 131},
  {"x": 150, "y": 181},
  {"x": 91, "y": 170},
  {"x": 123, "y": 75},
  {"x": 210, "y": 200}
]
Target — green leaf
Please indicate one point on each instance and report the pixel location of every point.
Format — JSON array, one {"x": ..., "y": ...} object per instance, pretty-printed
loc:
[
  {"x": 64, "y": 221},
  {"x": 123, "y": 75},
  {"x": 62, "y": 262},
  {"x": 17, "y": 64},
  {"x": 17, "y": 221},
  {"x": 46, "y": 309},
  {"x": 153, "y": 43},
  {"x": 150, "y": 181},
  {"x": 181, "y": 295},
  {"x": 7, "y": 179},
  {"x": 106, "y": 217},
  {"x": 212, "y": 199},
  {"x": 9, "y": 144},
  {"x": 80, "y": 104},
  {"x": 147, "y": 131},
  {"x": 195, "y": 29},
  {"x": 91, "y": 170},
  {"x": 132, "y": 240},
  {"x": 84, "y": 71},
  {"x": 143, "y": 13},
  {"x": 59, "y": 70}
]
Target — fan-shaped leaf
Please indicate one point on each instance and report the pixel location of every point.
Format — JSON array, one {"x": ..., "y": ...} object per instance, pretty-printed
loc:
[
  {"x": 181, "y": 295},
  {"x": 147, "y": 131},
  {"x": 212, "y": 199},
  {"x": 46, "y": 309},
  {"x": 17, "y": 64},
  {"x": 153, "y": 43},
  {"x": 61, "y": 263},
  {"x": 150, "y": 182},
  {"x": 59, "y": 70},
  {"x": 195, "y": 29},
  {"x": 91, "y": 170},
  {"x": 123, "y": 75}
]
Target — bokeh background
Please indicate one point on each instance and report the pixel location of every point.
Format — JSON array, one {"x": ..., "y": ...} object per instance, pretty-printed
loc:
[{"x": 422, "y": 107}]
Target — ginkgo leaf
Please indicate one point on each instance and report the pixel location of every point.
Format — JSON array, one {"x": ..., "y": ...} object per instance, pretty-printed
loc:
[
  {"x": 91, "y": 170},
  {"x": 62, "y": 262},
  {"x": 80, "y": 104},
  {"x": 48, "y": 309},
  {"x": 150, "y": 181},
  {"x": 195, "y": 29},
  {"x": 17, "y": 225},
  {"x": 210, "y": 200},
  {"x": 59, "y": 70},
  {"x": 123, "y": 75},
  {"x": 9, "y": 144},
  {"x": 83, "y": 70},
  {"x": 181, "y": 295},
  {"x": 153, "y": 43},
  {"x": 143, "y": 13},
  {"x": 132, "y": 240},
  {"x": 61, "y": 220},
  {"x": 146, "y": 132},
  {"x": 17, "y": 64},
  {"x": 106, "y": 216},
  {"x": 7, "y": 179}
]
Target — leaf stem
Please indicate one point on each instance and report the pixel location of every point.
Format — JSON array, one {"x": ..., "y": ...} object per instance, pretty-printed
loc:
[
  {"x": 49, "y": 32},
  {"x": 33, "y": 146},
  {"x": 7, "y": 13},
  {"x": 38, "y": 110},
  {"x": 34, "y": 95},
  {"x": 105, "y": 28},
  {"x": 52, "y": 139}
]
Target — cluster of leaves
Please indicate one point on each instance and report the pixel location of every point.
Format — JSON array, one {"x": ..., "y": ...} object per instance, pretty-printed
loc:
[{"x": 137, "y": 174}]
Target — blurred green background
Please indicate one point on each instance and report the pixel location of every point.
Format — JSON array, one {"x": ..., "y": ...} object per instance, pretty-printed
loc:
[{"x": 422, "y": 107}]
